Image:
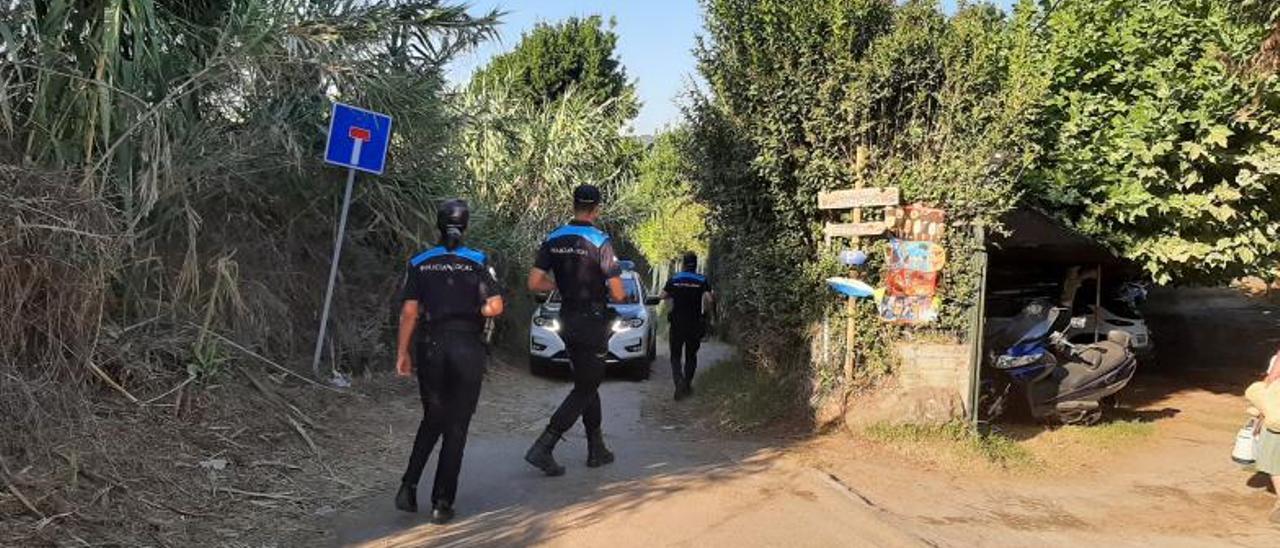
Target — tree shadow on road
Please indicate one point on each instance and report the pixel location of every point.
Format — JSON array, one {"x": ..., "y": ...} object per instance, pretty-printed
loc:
[
  {"x": 537, "y": 509},
  {"x": 502, "y": 501}
]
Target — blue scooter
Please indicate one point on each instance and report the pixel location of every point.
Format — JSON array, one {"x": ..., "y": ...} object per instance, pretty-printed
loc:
[{"x": 1066, "y": 383}]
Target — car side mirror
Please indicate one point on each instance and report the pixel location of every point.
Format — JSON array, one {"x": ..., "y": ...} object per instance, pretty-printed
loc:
[{"x": 652, "y": 301}]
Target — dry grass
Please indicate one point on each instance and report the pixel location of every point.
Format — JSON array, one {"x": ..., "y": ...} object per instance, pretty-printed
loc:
[
  {"x": 60, "y": 249},
  {"x": 213, "y": 464},
  {"x": 1068, "y": 448},
  {"x": 741, "y": 399},
  {"x": 1023, "y": 449},
  {"x": 118, "y": 374},
  {"x": 953, "y": 446}
]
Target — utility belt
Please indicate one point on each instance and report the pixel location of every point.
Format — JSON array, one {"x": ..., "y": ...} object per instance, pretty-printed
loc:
[{"x": 453, "y": 327}]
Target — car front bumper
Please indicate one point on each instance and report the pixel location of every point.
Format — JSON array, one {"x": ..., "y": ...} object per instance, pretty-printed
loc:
[{"x": 627, "y": 345}]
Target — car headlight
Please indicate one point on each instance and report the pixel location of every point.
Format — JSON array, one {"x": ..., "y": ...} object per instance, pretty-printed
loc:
[
  {"x": 549, "y": 323},
  {"x": 623, "y": 325}
]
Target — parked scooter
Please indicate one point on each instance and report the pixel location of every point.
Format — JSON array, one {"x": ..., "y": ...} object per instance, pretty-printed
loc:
[{"x": 1061, "y": 382}]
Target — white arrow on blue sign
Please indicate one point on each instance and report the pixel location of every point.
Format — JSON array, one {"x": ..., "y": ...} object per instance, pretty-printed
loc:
[{"x": 358, "y": 139}]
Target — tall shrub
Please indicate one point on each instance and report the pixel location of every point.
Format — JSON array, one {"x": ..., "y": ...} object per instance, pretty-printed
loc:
[
  {"x": 1159, "y": 139},
  {"x": 796, "y": 88}
]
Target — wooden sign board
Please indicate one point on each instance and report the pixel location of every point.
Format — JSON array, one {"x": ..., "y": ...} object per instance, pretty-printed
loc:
[
  {"x": 854, "y": 230},
  {"x": 858, "y": 197}
]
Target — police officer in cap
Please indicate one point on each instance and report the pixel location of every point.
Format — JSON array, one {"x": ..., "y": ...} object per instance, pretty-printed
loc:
[
  {"x": 578, "y": 260},
  {"x": 691, "y": 298},
  {"x": 449, "y": 291}
]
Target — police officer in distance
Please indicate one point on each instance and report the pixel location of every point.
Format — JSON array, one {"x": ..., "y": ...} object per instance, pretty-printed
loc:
[
  {"x": 449, "y": 291},
  {"x": 691, "y": 298},
  {"x": 587, "y": 274}
]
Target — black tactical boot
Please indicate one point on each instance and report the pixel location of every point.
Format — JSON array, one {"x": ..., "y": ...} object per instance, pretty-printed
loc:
[
  {"x": 597, "y": 454},
  {"x": 441, "y": 512},
  {"x": 540, "y": 454},
  {"x": 407, "y": 498},
  {"x": 683, "y": 390}
]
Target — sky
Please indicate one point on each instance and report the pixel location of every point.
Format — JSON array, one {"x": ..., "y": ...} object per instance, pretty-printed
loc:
[{"x": 655, "y": 44}]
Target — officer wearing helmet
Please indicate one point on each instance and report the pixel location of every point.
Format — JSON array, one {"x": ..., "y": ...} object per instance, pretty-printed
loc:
[
  {"x": 578, "y": 260},
  {"x": 449, "y": 292},
  {"x": 691, "y": 297}
]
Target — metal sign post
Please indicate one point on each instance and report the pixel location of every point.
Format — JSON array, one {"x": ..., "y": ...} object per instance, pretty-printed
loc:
[
  {"x": 358, "y": 140},
  {"x": 976, "y": 330}
]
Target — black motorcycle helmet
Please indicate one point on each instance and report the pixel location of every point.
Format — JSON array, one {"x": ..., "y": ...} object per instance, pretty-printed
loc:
[{"x": 452, "y": 217}]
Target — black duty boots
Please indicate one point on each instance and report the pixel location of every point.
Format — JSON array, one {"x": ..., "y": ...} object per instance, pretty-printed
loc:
[
  {"x": 441, "y": 512},
  {"x": 684, "y": 389},
  {"x": 540, "y": 454},
  {"x": 597, "y": 454},
  {"x": 407, "y": 498}
]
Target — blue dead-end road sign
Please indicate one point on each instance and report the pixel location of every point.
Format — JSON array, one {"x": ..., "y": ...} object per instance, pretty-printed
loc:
[{"x": 358, "y": 139}]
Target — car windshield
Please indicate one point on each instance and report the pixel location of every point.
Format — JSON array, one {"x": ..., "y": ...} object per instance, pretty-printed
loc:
[
  {"x": 632, "y": 288},
  {"x": 629, "y": 284}
]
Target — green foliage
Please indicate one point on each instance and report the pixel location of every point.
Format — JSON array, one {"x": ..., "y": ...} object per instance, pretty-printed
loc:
[
  {"x": 523, "y": 160},
  {"x": 125, "y": 87},
  {"x": 674, "y": 222},
  {"x": 198, "y": 126},
  {"x": 797, "y": 88},
  {"x": 552, "y": 59},
  {"x": 1153, "y": 139}
]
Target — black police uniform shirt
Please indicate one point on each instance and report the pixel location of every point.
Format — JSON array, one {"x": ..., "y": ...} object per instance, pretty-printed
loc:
[
  {"x": 686, "y": 290},
  {"x": 451, "y": 287},
  {"x": 582, "y": 259}
]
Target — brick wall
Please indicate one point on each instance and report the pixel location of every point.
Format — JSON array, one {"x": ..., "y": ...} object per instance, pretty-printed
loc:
[{"x": 926, "y": 367}]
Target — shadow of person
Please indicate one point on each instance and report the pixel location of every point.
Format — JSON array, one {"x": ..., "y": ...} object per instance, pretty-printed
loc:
[
  {"x": 1141, "y": 415},
  {"x": 1260, "y": 480}
]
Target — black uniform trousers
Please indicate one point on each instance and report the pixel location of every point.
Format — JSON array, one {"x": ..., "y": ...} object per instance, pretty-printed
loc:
[
  {"x": 684, "y": 342},
  {"x": 586, "y": 339},
  {"x": 450, "y": 369}
]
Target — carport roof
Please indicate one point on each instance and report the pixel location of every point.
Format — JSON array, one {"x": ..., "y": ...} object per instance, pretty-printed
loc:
[{"x": 1036, "y": 237}]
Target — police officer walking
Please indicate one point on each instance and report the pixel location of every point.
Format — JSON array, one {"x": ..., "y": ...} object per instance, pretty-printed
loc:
[
  {"x": 587, "y": 274},
  {"x": 452, "y": 291},
  {"x": 691, "y": 297}
]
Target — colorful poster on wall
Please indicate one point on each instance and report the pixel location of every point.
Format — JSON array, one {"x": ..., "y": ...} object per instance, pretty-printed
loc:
[
  {"x": 917, "y": 256},
  {"x": 910, "y": 283},
  {"x": 909, "y": 310},
  {"x": 914, "y": 262}
]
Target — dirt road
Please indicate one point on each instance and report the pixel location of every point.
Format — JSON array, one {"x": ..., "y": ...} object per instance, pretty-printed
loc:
[
  {"x": 669, "y": 486},
  {"x": 1175, "y": 487},
  {"x": 678, "y": 484}
]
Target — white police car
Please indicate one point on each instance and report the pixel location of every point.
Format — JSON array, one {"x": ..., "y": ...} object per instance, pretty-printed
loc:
[{"x": 632, "y": 345}]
